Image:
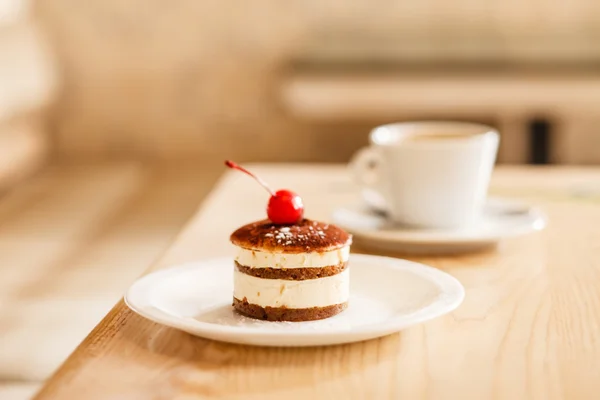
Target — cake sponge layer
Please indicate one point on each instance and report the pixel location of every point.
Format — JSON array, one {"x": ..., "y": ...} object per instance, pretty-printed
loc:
[
  {"x": 292, "y": 274},
  {"x": 287, "y": 314}
]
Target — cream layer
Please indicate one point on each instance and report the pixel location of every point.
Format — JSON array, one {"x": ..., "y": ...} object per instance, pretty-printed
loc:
[
  {"x": 263, "y": 259},
  {"x": 309, "y": 293}
]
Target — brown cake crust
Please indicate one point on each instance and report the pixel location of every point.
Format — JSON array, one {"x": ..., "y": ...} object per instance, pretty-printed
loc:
[
  {"x": 287, "y": 314},
  {"x": 292, "y": 274},
  {"x": 304, "y": 236}
]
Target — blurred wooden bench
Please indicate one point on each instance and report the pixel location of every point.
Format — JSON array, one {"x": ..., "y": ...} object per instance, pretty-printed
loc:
[
  {"x": 510, "y": 97},
  {"x": 72, "y": 238},
  {"x": 73, "y": 234}
]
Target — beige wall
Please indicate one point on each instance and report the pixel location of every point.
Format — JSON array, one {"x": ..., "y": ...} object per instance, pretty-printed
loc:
[{"x": 190, "y": 78}]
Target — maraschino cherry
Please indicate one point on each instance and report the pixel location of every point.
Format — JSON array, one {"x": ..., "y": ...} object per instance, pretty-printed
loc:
[{"x": 285, "y": 206}]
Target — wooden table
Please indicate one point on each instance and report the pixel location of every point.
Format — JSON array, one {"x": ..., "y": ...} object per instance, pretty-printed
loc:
[{"x": 529, "y": 326}]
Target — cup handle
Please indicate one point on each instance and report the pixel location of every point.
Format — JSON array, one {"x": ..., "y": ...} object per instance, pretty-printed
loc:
[{"x": 365, "y": 167}]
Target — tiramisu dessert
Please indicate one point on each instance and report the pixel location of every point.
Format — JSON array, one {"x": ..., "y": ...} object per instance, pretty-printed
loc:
[{"x": 288, "y": 268}]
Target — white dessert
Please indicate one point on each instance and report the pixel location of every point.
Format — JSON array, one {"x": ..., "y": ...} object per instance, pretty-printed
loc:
[{"x": 291, "y": 273}]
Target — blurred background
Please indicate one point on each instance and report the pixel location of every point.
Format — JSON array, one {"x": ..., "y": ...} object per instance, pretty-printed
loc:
[{"x": 115, "y": 117}]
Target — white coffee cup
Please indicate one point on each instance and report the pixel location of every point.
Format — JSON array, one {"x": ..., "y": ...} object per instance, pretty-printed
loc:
[{"x": 430, "y": 174}]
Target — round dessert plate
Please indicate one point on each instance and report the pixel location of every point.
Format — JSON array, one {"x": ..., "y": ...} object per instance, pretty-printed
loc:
[
  {"x": 501, "y": 218},
  {"x": 387, "y": 295}
]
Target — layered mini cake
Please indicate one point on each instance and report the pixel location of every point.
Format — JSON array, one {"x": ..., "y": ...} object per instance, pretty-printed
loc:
[{"x": 296, "y": 272}]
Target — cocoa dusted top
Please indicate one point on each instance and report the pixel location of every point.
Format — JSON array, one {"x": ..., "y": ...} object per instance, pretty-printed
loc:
[{"x": 304, "y": 236}]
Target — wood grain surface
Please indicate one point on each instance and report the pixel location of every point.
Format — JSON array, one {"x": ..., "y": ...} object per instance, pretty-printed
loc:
[{"x": 528, "y": 328}]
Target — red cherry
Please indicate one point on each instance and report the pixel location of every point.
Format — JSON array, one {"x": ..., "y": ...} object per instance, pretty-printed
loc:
[{"x": 285, "y": 207}]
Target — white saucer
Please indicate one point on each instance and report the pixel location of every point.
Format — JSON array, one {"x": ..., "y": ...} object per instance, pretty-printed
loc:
[
  {"x": 501, "y": 219},
  {"x": 387, "y": 295}
]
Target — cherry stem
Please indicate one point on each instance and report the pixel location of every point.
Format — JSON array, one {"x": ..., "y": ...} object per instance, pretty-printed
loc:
[{"x": 262, "y": 183}]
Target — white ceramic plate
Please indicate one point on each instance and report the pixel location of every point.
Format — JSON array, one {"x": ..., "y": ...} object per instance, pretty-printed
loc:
[
  {"x": 501, "y": 219},
  {"x": 387, "y": 295}
]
